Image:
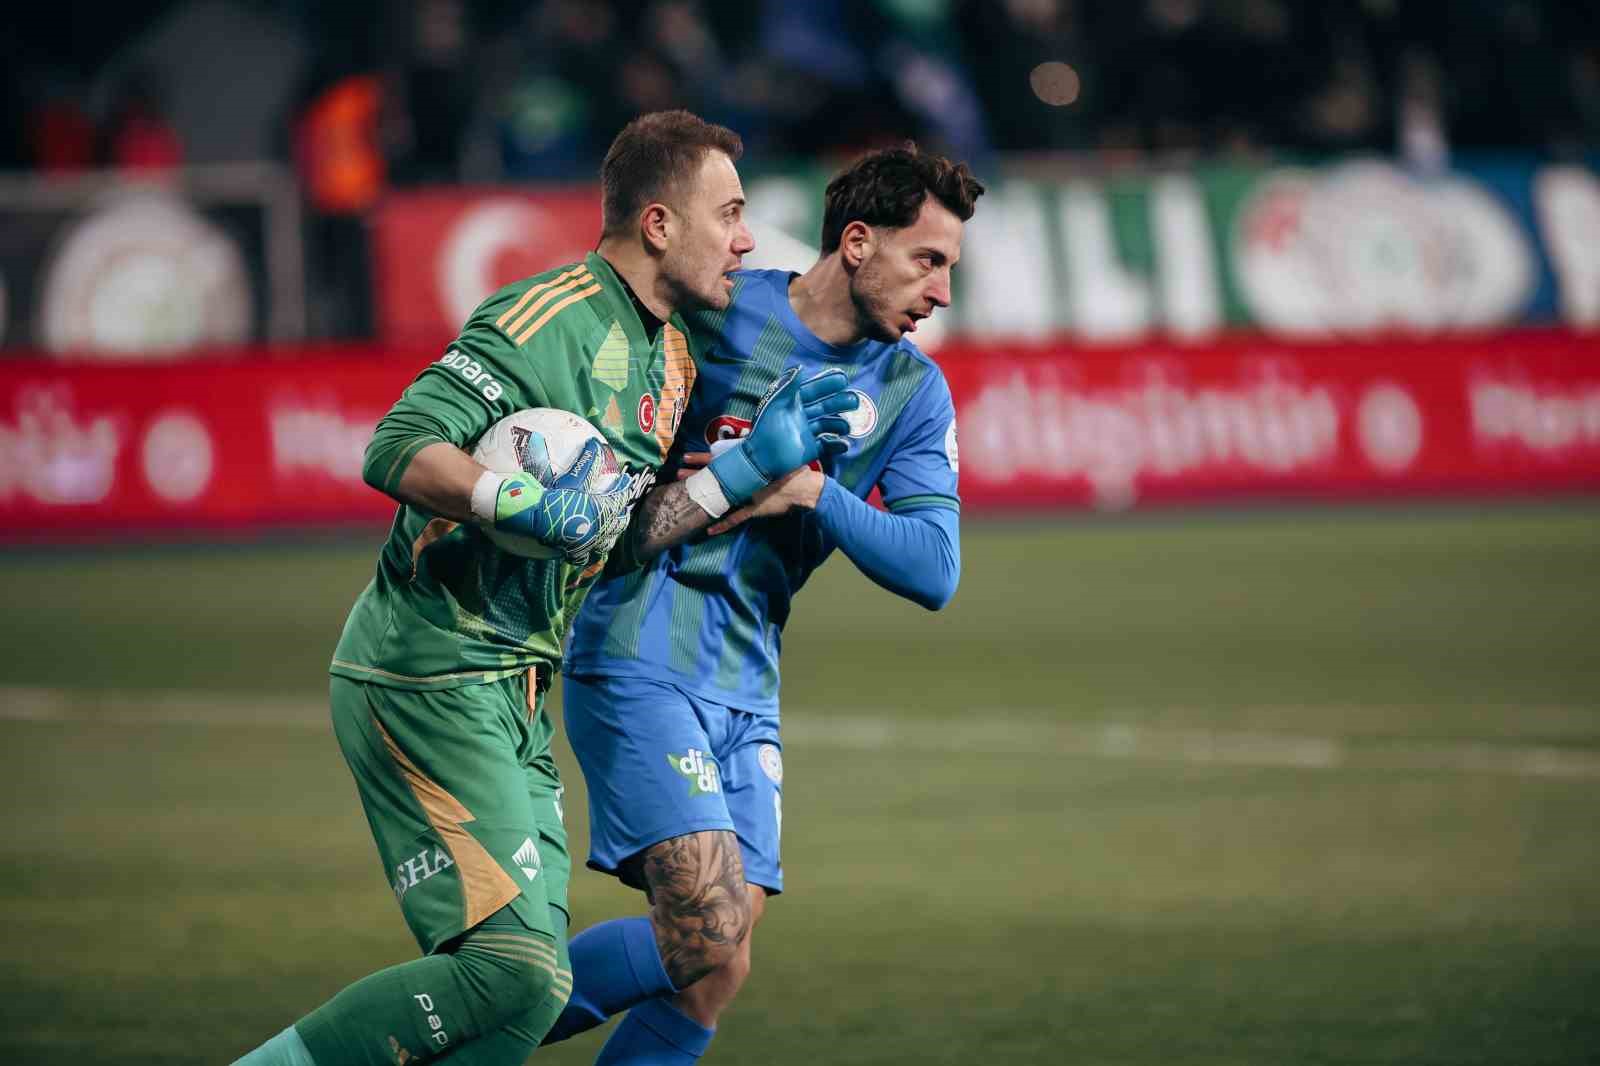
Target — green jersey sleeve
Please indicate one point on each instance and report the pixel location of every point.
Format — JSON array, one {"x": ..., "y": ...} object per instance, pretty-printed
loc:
[
  {"x": 446, "y": 606},
  {"x": 478, "y": 381}
]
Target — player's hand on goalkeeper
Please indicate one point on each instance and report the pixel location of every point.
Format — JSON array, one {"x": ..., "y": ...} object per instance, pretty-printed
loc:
[
  {"x": 567, "y": 516},
  {"x": 798, "y": 490},
  {"x": 796, "y": 423}
]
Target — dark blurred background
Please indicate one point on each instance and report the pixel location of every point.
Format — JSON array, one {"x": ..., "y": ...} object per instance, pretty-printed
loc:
[
  {"x": 486, "y": 90},
  {"x": 357, "y": 99}
]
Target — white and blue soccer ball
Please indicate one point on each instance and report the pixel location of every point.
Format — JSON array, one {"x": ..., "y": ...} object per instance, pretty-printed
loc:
[{"x": 542, "y": 442}]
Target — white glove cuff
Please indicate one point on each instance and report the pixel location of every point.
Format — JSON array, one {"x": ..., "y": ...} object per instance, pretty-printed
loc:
[
  {"x": 705, "y": 490},
  {"x": 485, "y": 493}
]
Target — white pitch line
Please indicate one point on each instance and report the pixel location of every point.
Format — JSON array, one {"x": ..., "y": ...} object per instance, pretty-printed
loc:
[
  {"x": 1009, "y": 735},
  {"x": 1000, "y": 732}
]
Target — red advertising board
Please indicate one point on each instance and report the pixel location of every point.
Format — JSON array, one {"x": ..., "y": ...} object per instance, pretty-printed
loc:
[
  {"x": 254, "y": 441},
  {"x": 1248, "y": 417},
  {"x": 274, "y": 437},
  {"x": 437, "y": 254}
]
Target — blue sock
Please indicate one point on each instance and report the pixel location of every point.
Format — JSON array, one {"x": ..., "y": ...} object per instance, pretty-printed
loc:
[
  {"x": 655, "y": 1033},
  {"x": 614, "y": 965},
  {"x": 285, "y": 1049}
]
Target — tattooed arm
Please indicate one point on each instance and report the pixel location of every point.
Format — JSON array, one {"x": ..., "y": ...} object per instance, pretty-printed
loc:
[{"x": 666, "y": 516}]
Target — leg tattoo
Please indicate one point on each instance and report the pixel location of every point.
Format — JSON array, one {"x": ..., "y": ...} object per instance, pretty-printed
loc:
[{"x": 700, "y": 908}]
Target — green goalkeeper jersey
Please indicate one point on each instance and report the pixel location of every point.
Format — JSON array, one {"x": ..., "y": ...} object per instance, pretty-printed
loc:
[{"x": 447, "y": 607}]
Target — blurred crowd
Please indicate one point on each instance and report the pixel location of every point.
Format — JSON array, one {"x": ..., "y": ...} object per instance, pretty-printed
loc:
[
  {"x": 364, "y": 92},
  {"x": 364, "y": 95}
]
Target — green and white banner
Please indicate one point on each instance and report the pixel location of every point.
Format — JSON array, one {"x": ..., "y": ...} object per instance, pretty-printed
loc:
[{"x": 1347, "y": 249}]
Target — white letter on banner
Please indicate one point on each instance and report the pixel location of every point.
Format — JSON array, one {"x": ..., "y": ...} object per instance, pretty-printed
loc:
[
  {"x": 1186, "y": 265},
  {"x": 1568, "y": 202},
  {"x": 1009, "y": 287},
  {"x": 1108, "y": 302}
]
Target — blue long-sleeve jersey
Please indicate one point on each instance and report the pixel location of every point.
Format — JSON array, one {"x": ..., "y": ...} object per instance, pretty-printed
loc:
[{"x": 709, "y": 615}]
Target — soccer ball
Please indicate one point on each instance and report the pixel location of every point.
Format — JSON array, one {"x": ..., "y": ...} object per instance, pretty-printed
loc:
[{"x": 542, "y": 442}]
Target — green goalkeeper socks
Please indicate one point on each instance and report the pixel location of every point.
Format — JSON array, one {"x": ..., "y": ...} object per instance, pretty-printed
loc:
[
  {"x": 499, "y": 975},
  {"x": 285, "y": 1049},
  {"x": 411, "y": 1011}
]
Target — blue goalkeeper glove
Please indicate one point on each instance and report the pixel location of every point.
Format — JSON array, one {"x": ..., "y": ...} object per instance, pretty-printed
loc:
[
  {"x": 566, "y": 516},
  {"x": 794, "y": 425}
]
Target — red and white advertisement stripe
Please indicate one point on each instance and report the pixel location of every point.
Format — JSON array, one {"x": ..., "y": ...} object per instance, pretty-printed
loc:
[{"x": 274, "y": 437}]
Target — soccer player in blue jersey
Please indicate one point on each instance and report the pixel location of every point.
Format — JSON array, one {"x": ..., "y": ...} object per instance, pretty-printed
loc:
[{"x": 671, "y": 680}]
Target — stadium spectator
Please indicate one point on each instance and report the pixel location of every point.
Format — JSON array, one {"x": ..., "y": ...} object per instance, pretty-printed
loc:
[{"x": 140, "y": 138}]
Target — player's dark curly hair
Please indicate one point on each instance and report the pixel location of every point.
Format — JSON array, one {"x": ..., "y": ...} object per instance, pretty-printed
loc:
[
  {"x": 887, "y": 187},
  {"x": 653, "y": 158}
]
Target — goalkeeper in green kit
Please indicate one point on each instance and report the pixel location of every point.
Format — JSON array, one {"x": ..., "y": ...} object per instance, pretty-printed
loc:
[{"x": 439, "y": 679}]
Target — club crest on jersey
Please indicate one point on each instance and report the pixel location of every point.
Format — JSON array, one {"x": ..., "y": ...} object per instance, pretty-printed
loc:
[
  {"x": 700, "y": 769},
  {"x": 647, "y": 413},
  {"x": 864, "y": 419},
  {"x": 771, "y": 760}
]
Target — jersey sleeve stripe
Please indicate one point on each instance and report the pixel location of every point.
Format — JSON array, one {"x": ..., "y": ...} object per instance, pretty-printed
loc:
[
  {"x": 403, "y": 460},
  {"x": 544, "y": 299},
  {"x": 927, "y": 499},
  {"x": 534, "y": 290},
  {"x": 555, "y": 309}
]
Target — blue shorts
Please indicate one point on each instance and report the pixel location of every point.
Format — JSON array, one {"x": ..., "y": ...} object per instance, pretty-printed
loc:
[{"x": 660, "y": 762}]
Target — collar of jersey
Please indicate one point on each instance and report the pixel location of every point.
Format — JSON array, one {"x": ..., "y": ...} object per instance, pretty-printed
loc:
[
  {"x": 847, "y": 353},
  {"x": 620, "y": 307}
]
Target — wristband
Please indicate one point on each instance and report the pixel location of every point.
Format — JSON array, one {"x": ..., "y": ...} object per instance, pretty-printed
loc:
[
  {"x": 705, "y": 490},
  {"x": 485, "y": 496}
]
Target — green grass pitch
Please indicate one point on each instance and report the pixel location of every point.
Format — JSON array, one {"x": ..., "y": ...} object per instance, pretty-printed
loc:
[{"x": 1271, "y": 787}]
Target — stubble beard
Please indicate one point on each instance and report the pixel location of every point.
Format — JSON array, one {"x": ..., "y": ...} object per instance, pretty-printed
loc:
[
  {"x": 866, "y": 294},
  {"x": 680, "y": 275}
]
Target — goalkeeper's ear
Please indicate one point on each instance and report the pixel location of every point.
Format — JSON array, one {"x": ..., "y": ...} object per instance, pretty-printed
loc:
[{"x": 655, "y": 226}]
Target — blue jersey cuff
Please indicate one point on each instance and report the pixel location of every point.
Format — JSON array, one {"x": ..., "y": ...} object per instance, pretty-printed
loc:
[{"x": 915, "y": 553}]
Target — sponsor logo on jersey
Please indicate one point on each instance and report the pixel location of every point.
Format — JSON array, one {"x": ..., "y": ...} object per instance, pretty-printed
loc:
[
  {"x": 527, "y": 859},
  {"x": 474, "y": 374},
  {"x": 724, "y": 429},
  {"x": 864, "y": 419},
  {"x": 647, "y": 413},
  {"x": 700, "y": 769},
  {"x": 771, "y": 760},
  {"x": 417, "y": 869},
  {"x": 950, "y": 450},
  {"x": 435, "y": 1023}
]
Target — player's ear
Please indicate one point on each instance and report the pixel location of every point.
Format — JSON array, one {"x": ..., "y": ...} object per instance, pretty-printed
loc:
[
  {"x": 856, "y": 244},
  {"x": 655, "y": 225}
]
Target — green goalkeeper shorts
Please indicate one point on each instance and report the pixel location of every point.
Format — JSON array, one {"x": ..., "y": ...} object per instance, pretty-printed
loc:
[{"x": 464, "y": 801}]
